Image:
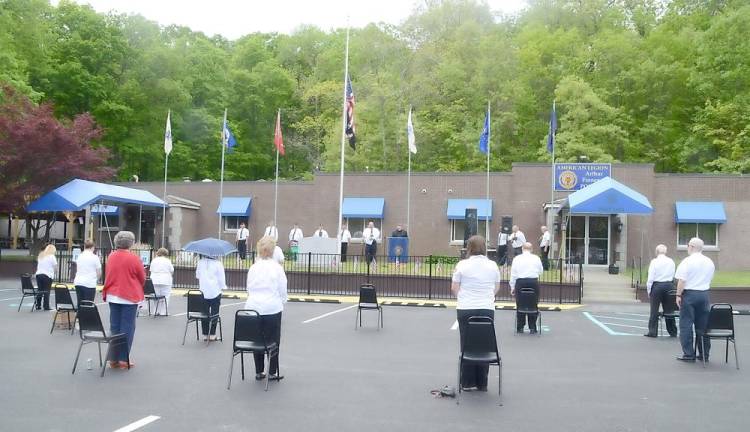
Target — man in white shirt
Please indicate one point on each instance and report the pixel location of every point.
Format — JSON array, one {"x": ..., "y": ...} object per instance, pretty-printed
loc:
[
  {"x": 524, "y": 273},
  {"x": 660, "y": 281},
  {"x": 371, "y": 235},
  {"x": 271, "y": 231},
  {"x": 694, "y": 275},
  {"x": 517, "y": 239},
  {"x": 502, "y": 246},
  {"x": 242, "y": 235},
  {"x": 344, "y": 237},
  {"x": 295, "y": 238},
  {"x": 88, "y": 272},
  {"x": 545, "y": 241},
  {"x": 320, "y": 232}
]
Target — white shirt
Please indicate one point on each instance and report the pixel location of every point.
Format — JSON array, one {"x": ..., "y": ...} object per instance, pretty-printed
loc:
[
  {"x": 546, "y": 240},
  {"x": 161, "y": 271},
  {"x": 278, "y": 255},
  {"x": 321, "y": 233},
  {"x": 661, "y": 269},
  {"x": 345, "y": 236},
  {"x": 696, "y": 270},
  {"x": 271, "y": 231},
  {"x": 266, "y": 287},
  {"x": 478, "y": 276},
  {"x": 502, "y": 239},
  {"x": 371, "y": 235},
  {"x": 526, "y": 265},
  {"x": 517, "y": 239},
  {"x": 87, "y": 268},
  {"x": 46, "y": 266},
  {"x": 211, "y": 279},
  {"x": 243, "y": 234},
  {"x": 295, "y": 235}
]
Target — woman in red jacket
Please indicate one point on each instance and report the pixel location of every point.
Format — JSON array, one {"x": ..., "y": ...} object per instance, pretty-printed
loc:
[{"x": 123, "y": 290}]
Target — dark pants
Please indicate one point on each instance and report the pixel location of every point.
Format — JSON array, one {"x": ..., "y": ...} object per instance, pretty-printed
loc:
[
  {"x": 370, "y": 251},
  {"x": 344, "y": 247},
  {"x": 43, "y": 283},
  {"x": 517, "y": 251},
  {"x": 271, "y": 327},
  {"x": 522, "y": 318},
  {"x": 545, "y": 258},
  {"x": 472, "y": 375},
  {"x": 660, "y": 296},
  {"x": 502, "y": 255},
  {"x": 242, "y": 248},
  {"x": 694, "y": 312},
  {"x": 84, "y": 293},
  {"x": 212, "y": 308},
  {"x": 122, "y": 320}
]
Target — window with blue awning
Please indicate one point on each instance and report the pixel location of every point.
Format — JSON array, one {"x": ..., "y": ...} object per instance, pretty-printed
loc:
[
  {"x": 700, "y": 212},
  {"x": 235, "y": 206},
  {"x": 457, "y": 208},
  {"x": 363, "y": 208}
]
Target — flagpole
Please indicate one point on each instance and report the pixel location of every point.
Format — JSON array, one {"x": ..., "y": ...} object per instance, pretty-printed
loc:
[
  {"x": 487, "y": 198},
  {"x": 408, "y": 182},
  {"x": 221, "y": 182},
  {"x": 343, "y": 137},
  {"x": 276, "y": 190},
  {"x": 550, "y": 218},
  {"x": 164, "y": 198}
]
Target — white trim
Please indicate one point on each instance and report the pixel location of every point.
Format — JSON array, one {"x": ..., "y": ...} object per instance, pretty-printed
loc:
[{"x": 706, "y": 247}]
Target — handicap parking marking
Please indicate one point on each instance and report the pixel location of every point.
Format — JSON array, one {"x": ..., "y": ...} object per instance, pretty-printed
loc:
[
  {"x": 138, "y": 424},
  {"x": 615, "y": 324}
]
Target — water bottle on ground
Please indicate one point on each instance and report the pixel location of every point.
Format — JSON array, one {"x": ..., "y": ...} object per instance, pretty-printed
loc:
[{"x": 89, "y": 364}]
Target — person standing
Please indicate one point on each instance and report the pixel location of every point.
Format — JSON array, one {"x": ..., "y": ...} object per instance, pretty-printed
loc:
[
  {"x": 162, "y": 271},
  {"x": 399, "y": 232},
  {"x": 694, "y": 275},
  {"x": 345, "y": 236},
  {"x": 660, "y": 281},
  {"x": 211, "y": 282},
  {"x": 524, "y": 273},
  {"x": 242, "y": 235},
  {"x": 266, "y": 294},
  {"x": 371, "y": 236},
  {"x": 123, "y": 290},
  {"x": 545, "y": 241},
  {"x": 295, "y": 238},
  {"x": 271, "y": 231},
  {"x": 475, "y": 283},
  {"x": 517, "y": 239},
  {"x": 320, "y": 232},
  {"x": 46, "y": 264},
  {"x": 502, "y": 247},
  {"x": 88, "y": 272}
]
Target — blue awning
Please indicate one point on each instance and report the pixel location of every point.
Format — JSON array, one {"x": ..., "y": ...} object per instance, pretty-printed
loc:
[
  {"x": 608, "y": 196},
  {"x": 97, "y": 209},
  {"x": 363, "y": 208},
  {"x": 234, "y": 206},
  {"x": 457, "y": 208},
  {"x": 699, "y": 212},
  {"x": 77, "y": 194}
]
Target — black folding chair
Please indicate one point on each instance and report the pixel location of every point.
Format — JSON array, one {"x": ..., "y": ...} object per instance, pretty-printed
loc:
[
  {"x": 249, "y": 338},
  {"x": 197, "y": 310},
  {"x": 28, "y": 290},
  {"x": 149, "y": 294},
  {"x": 720, "y": 326},
  {"x": 669, "y": 309},
  {"x": 92, "y": 330},
  {"x": 480, "y": 347},
  {"x": 63, "y": 305},
  {"x": 368, "y": 300},
  {"x": 527, "y": 301}
]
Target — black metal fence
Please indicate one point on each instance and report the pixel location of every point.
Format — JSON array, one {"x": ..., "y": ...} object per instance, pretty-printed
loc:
[
  {"x": 421, "y": 277},
  {"x": 637, "y": 275}
]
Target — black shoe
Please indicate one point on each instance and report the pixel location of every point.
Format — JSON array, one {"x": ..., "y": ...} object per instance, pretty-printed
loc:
[
  {"x": 519, "y": 331},
  {"x": 48, "y": 309},
  {"x": 482, "y": 388},
  {"x": 259, "y": 376},
  {"x": 686, "y": 358},
  {"x": 276, "y": 377},
  {"x": 533, "y": 331},
  {"x": 673, "y": 335},
  {"x": 650, "y": 335}
]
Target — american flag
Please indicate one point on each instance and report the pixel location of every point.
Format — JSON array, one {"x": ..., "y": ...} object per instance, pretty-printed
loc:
[{"x": 350, "y": 129}]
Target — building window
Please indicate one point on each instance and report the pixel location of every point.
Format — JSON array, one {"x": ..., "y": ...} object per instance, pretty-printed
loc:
[
  {"x": 358, "y": 225},
  {"x": 709, "y": 233},
  {"x": 232, "y": 223},
  {"x": 458, "y": 226}
]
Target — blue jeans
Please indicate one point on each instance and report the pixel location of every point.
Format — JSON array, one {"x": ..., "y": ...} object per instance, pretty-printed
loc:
[
  {"x": 122, "y": 320},
  {"x": 694, "y": 313}
]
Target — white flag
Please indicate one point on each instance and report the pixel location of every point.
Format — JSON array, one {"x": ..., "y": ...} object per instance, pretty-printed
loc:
[
  {"x": 168, "y": 135},
  {"x": 410, "y": 133}
]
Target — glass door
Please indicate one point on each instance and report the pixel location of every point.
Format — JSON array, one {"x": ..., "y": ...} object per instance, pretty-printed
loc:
[
  {"x": 577, "y": 239},
  {"x": 598, "y": 240}
]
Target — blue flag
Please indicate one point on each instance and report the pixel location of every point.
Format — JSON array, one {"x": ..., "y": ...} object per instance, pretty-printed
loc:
[
  {"x": 484, "y": 139},
  {"x": 552, "y": 130},
  {"x": 227, "y": 138}
]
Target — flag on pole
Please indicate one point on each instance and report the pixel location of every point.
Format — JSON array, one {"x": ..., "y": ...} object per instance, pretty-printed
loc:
[
  {"x": 168, "y": 135},
  {"x": 552, "y": 130},
  {"x": 278, "y": 140},
  {"x": 350, "y": 128},
  {"x": 227, "y": 138},
  {"x": 410, "y": 134},
  {"x": 484, "y": 139}
]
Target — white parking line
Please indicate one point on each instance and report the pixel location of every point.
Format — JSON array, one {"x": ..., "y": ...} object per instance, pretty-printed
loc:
[
  {"x": 624, "y": 325},
  {"x": 329, "y": 314},
  {"x": 619, "y": 318},
  {"x": 7, "y": 299},
  {"x": 224, "y": 305},
  {"x": 632, "y": 314},
  {"x": 455, "y": 325},
  {"x": 9, "y": 289},
  {"x": 138, "y": 424}
]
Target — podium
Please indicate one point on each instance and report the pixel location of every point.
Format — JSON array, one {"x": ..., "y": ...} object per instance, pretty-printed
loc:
[{"x": 398, "y": 248}]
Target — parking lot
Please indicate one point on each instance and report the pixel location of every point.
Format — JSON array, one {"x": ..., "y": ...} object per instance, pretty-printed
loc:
[{"x": 575, "y": 377}]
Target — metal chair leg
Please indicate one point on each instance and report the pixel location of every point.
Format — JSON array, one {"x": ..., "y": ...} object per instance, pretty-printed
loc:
[
  {"x": 231, "y": 368},
  {"x": 99, "y": 347},
  {"x": 703, "y": 351},
  {"x": 268, "y": 369},
  {"x": 736, "y": 360},
  {"x": 185, "y": 334},
  {"x": 726, "y": 353},
  {"x": 54, "y": 320},
  {"x": 356, "y": 318},
  {"x": 242, "y": 364},
  {"x": 104, "y": 366},
  {"x": 77, "y": 356},
  {"x": 20, "y": 304},
  {"x": 458, "y": 384},
  {"x": 500, "y": 381}
]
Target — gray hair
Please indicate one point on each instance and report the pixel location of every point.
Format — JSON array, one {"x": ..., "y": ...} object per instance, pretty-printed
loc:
[
  {"x": 661, "y": 249},
  {"x": 124, "y": 240},
  {"x": 527, "y": 247},
  {"x": 696, "y": 243}
]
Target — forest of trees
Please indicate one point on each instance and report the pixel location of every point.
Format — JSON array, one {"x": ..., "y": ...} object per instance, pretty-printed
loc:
[{"x": 658, "y": 81}]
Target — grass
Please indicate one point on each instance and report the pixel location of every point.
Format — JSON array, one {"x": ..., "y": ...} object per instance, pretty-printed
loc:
[
  {"x": 722, "y": 278},
  {"x": 18, "y": 258}
]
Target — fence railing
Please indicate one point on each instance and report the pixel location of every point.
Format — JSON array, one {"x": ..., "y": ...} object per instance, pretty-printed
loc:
[
  {"x": 636, "y": 274},
  {"x": 420, "y": 277}
]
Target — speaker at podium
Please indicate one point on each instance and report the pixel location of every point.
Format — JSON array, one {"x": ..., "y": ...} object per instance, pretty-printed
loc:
[
  {"x": 470, "y": 224},
  {"x": 398, "y": 249}
]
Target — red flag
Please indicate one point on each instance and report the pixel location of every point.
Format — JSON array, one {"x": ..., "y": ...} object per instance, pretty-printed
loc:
[{"x": 278, "y": 140}]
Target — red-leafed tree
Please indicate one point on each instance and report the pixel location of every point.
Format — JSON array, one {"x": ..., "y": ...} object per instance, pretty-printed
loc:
[{"x": 39, "y": 152}]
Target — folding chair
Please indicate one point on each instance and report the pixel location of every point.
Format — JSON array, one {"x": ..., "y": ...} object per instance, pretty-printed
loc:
[
  {"x": 197, "y": 310},
  {"x": 149, "y": 294},
  {"x": 368, "y": 300},
  {"x": 480, "y": 347},
  {"x": 63, "y": 304},
  {"x": 527, "y": 301},
  {"x": 669, "y": 309},
  {"x": 720, "y": 326},
  {"x": 92, "y": 330},
  {"x": 28, "y": 290},
  {"x": 249, "y": 338}
]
